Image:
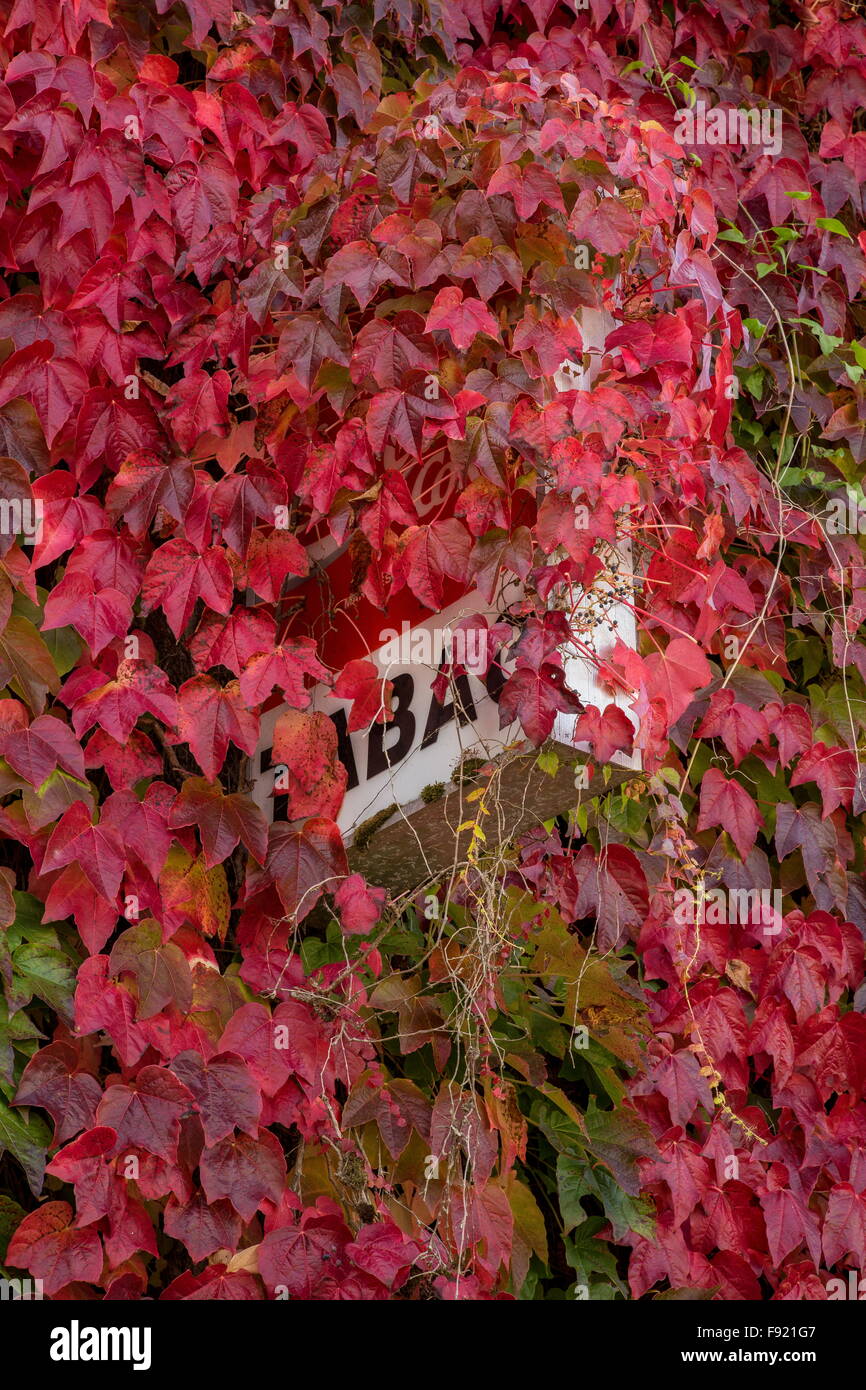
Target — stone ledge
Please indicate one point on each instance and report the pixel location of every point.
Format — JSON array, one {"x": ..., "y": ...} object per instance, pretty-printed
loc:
[{"x": 421, "y": 841}]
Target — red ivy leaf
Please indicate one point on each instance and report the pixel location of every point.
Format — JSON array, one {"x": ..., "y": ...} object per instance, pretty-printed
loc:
[
  {"x": 284, "y": 669},
  {"x": 209, "y": 717},
  {"x": 529, "y": 186},
  {"x": 138, "y": 688},
  {"x": 177, "y": 576},
  {"x": 308, "y": 1260},
  {"x": 305, "y": 749},
  {"x": 360, "y": 906},
  {"x": 222, "y": 820},
  {"x": 361, "y": 682},
  {"x": 462, "y": 319},
  {"x": 729, "y": 805},
  {"x": 608, "y": 733},
  {"x": 146, "y": 1113},
  {"x": 160, "y": 968},
  {"x": 224, "y": 1092},
  {"x": 303, "y": 864},
  {"x": 52, "y": 1081},
  {"x": 214, "y": 1283},
  {"x": 244, "y": 1170},
  {"x": 834, "y": 770},
  {"x": 676, "y": 674},
  {"x": 535, "y": 698},
  {"x": 201, "y": 1226},
  {"x": 51, "y": 1249}
]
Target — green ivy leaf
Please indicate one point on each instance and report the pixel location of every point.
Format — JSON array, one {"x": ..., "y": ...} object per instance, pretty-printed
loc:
[
  {"x": 27, "y": 1141},
  {"x": 11, "y": 1216},
  {"x": 588, "y": 1256},
  {"x": 832, "y": 224},
  {"x": 620, "y": 1138}
]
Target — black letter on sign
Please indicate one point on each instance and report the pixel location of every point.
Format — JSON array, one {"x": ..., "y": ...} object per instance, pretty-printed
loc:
[
  {"x": 438, "y": 714},
  {"x": 495, "y": 679},
  {"x": 279, "y": 801},
  {"x": 344, "y": 747},
  {"x": 380, "y": 758}
]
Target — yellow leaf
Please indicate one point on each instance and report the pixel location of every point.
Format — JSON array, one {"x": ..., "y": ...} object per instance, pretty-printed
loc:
[
  {"x": 245, "y": 1260},
  {"x": 187, "y": 884},
  {"x": 530, "y": 1235}
]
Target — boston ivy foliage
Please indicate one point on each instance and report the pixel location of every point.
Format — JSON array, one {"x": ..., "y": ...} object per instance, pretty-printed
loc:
[{"x": 249, "y": 255}]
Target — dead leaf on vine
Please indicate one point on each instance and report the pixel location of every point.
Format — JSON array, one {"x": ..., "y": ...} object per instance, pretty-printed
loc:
[
  {"x": 739, "y": 975},
  {"x": 245, "y": 1260}
]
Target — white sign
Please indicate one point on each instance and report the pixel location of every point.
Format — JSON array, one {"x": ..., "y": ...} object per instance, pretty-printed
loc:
[
  {"x": 393, "y": 764},
  {"x": 419, "y": 750}
]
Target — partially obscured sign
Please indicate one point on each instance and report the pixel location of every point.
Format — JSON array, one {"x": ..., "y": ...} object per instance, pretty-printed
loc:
[{"x": 406, "y": 762}]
